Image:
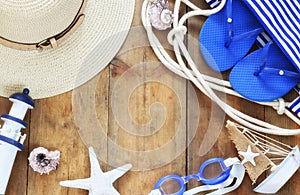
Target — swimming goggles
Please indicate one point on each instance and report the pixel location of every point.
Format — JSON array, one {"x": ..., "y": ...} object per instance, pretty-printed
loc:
[{"x": 215, "y": 173}]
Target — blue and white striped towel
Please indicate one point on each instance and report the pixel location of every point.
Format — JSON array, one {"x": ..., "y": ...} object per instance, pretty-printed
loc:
[
  {"x": 262, "y": 39},
  {"x": 297, "y": 88},
  {"x": 294, "y": 106},
  {"x": 281, "y": 19},
  {"x": 213, "y": 3}
]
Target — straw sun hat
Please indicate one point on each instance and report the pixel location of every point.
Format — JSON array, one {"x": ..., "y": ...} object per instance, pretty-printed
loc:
[{"x": 53, "y": 46}]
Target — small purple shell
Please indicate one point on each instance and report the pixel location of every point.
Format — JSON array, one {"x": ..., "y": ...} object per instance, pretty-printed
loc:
[
  {"x": 161, "y": 17},
  {"x": 43, "y": 161}
]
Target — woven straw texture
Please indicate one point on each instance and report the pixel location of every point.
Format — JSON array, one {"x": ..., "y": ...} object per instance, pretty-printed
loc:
[
  {"x": 77, "y": 59},
  {"x": 35, "y": 20}
]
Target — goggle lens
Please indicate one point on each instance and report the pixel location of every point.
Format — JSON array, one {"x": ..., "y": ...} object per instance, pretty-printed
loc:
[
  {"x": 213, "y": 170},
  {"x": 170, "y": 186}
]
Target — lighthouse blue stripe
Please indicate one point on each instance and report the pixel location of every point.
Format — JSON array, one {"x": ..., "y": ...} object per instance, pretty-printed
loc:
[
  {"x": 12, "y": 118},
  {"x": 12, "y": 142}
]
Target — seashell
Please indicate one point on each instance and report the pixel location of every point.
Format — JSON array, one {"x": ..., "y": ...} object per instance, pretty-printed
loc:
[
  {"x": 43, "y": 161},
  {"x": 161, "y": 17}
]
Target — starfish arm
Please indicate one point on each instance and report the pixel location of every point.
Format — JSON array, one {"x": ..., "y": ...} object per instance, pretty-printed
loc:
[
  {"x": 243, "y": 162},
  {"x": 113, "y": 175},
  {"x": 114, "y": 192},
  {"x": 256, "y": 154},
  {"x": 249, "y": 156},
  {"x": 78, "y": 183},
  {"x": 253, "y": 162},
  {"x": 95, "y": 167}
]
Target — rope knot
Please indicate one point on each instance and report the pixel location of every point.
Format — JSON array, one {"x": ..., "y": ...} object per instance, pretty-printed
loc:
[
  {"x": 281, "y": 106},
  {"x": 180, "y": 30}
]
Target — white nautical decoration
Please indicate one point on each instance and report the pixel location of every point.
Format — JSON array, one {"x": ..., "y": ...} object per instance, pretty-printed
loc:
[
  {"x": 283, "y": 172},
  {"x": 282, "y": 160},
  {"x": 11, "y": 139},
  {"x": 249, "y": 156}
]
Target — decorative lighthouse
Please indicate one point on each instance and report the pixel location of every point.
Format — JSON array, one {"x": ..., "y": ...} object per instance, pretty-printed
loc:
[{"x": 11, "y": 139}]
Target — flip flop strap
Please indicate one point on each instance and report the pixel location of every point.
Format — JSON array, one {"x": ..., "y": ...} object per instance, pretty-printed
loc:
[
  {"x": 265, "y": 51},
  {"x": 274, "y": 71},
  {"x": 261, "y": 40},
  {"x": 231, "y": 36},
  {"x": 281, "y": 72},
  {"x": 229, "y": 19}
]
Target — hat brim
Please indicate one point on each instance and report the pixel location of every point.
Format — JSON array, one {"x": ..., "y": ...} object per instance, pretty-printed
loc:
[{"x": 79, "y": 58}]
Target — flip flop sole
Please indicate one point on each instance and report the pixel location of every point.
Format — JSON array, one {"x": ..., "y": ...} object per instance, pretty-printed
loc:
[
  {"x": 214, "y": 34},
  {"x": 265, "y": 86}
]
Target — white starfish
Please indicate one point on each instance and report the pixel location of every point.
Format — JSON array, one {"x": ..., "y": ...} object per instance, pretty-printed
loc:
[
  {"x": 249, "y": 156},
  {"x": 99, "y": 183}
]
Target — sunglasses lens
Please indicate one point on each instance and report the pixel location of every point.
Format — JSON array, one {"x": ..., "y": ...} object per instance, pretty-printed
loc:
[
  {"x": 170, "y": 186},
  {"x": 213, "y": 170}
]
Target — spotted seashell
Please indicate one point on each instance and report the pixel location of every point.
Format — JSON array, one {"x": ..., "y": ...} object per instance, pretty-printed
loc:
[{"x": 161, "y": 17}]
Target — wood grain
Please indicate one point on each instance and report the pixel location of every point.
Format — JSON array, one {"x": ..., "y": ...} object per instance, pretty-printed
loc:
[{"x": 134, "y": 106}]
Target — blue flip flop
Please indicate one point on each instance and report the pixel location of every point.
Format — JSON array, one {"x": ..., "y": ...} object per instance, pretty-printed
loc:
[
  {"x": 264, "y": 75},
  {"x": 227, "y": 36}
]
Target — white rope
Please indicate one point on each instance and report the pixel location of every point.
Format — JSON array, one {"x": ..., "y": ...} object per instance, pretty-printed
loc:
[
  {"x": 204, "y": 83},
  {"x": 267, "y": 146}
]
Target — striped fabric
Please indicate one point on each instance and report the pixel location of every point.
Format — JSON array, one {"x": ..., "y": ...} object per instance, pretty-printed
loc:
[
  {"x": 297, "y": 88},
  {"x": 213, "y": 3},
  {"x": 281, "y": 19},
  {"x": 262, "y": 39},
  {"x": 294, "y": 106}
]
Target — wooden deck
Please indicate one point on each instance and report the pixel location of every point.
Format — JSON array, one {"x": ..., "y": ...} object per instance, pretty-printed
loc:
[{"x": 135, "y": 105}]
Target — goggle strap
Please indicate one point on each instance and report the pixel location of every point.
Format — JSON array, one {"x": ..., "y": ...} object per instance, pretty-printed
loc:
[
  {"x": 237, "y": 171},
  {"x": 155, "y": 192},
  {"x": 230, "y": 161},
  {"x": 206, "y": 188}
]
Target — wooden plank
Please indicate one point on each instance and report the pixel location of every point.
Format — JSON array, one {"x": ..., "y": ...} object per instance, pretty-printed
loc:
[
  {"x": 148, "y": 163},
  {"x": 54, "y": 126},
  {"x": 158, "y": 96}
]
